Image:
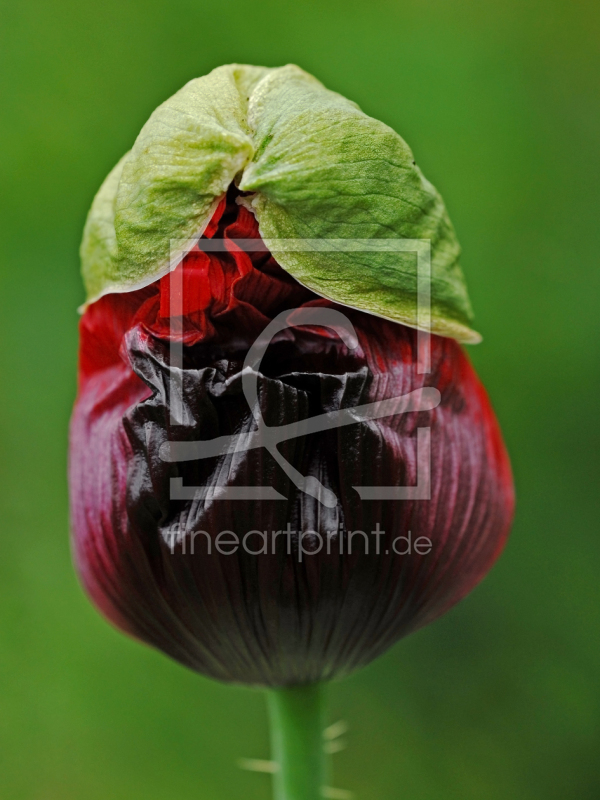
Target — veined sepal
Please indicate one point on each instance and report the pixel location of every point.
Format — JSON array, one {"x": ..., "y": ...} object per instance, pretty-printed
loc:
[{"x": 315, "y": 167}]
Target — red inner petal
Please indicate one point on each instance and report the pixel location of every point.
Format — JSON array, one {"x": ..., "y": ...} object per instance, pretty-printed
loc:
[{"x": 225, "y": 295}]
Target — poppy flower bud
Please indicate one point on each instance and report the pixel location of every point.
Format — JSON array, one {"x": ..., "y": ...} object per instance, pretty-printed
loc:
[{"x": 270, "y": 482}]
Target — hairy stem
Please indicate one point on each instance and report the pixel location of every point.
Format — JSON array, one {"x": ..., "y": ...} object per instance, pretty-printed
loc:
[{"x": 297, "y": 722}]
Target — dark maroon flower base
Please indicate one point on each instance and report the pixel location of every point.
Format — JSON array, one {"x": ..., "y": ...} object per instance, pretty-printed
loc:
[{"x": 283, "y": 617}]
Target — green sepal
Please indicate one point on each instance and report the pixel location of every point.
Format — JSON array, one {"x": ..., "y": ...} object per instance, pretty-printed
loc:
[{"x": 316, "y": 168}]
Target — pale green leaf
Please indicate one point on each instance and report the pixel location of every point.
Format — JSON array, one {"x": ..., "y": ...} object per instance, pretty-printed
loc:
[
  {"x": 325, "y": 170},
  {"x": 316, "y": 168}
]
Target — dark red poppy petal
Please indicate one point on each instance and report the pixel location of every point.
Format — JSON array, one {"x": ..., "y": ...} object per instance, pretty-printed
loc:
[{"x": 279, "y": 617}]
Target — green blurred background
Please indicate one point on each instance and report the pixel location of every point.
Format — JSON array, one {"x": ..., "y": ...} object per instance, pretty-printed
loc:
[{"x": 500, "y": 101}]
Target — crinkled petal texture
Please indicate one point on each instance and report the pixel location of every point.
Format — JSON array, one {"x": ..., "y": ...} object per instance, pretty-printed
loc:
[{"x": 303, "y": 597}]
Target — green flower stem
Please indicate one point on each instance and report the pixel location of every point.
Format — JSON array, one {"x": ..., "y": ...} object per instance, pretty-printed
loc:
[{"x": 297, "y": 723}]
